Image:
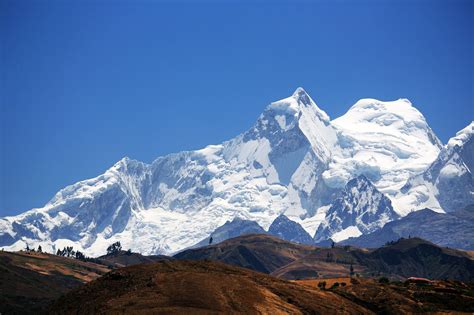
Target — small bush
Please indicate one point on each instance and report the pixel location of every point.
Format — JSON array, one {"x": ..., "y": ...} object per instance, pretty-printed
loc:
[
  {"x": 335, "y": 285},
  {"x": 384, "y": 280}
]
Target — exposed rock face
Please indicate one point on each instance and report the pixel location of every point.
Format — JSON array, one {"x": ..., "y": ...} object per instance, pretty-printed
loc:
[{"x": 360, "y": 210}]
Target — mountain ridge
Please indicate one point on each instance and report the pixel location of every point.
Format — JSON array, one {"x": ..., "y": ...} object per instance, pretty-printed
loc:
[{"x": 288, "y": 163}]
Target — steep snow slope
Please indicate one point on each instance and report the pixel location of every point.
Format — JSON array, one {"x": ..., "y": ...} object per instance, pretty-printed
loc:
[
  {"x": 388, "y": 142},
  {"x": 293, "y": 161},
  {"x": 448, "y": 183},
  {"x": 179, "y": 199}
]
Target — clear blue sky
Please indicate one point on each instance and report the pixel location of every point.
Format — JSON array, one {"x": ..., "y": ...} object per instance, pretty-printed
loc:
[{"x": 85, "y": 83}]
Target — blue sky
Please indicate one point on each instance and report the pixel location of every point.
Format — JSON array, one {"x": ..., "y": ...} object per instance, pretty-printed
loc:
[{"x": 85, "y": 83}]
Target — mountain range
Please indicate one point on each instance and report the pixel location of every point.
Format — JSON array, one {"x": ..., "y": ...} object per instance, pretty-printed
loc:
[
  {"x": 222, "y": 278},
  {"x": 336, "y": 178},
  {"x": 453, "y": 229},
  {"x": 403, "y": 258}
]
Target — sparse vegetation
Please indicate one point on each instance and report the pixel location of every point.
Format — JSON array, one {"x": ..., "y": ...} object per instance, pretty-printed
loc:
[
  {"x": 384, "y": 280},
  {"x": 335, "y": 285},
  {"x": 67, "y": 251},
  {"x": 80, "y": 256}
]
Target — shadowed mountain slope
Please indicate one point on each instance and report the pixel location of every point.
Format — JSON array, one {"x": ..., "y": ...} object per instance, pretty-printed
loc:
[
  {"x": 454, "y": 229},
  {"x": 289, "y": 230},
  {"x": 231, "y": 229},
  {"x": 258, "y": 252},
  {"x": 420, "y": 258},
  {"x": 125, "y": 258},
  {"x": 404, "y": 258}
]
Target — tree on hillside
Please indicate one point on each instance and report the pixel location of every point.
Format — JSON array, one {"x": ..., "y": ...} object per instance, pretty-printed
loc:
[
  {"x": 351, "y": 271},
  {"x": 40, "y": 250},
  {"x": 67, "y": 251},
  {"x": 80, "y": 256},
  {"x": 210, "y": 241},
  {"x": 332, "y": 244},
  {"x": 114, "y": 248}
]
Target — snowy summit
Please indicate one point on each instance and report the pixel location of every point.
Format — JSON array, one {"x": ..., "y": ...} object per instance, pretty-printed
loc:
[{"x": 336, "y": 178}]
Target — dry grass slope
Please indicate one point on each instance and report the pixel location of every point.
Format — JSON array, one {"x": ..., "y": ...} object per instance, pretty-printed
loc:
[
  {"x": 30, "y": 281},
  {"x": 198, "y": 287}
]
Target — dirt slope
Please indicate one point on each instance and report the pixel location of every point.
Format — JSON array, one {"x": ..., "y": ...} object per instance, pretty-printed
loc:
[
  {"x": 30, "y": 281},
  {"x": 438, "y": 297},
  {"x": 198, "y": 287}
]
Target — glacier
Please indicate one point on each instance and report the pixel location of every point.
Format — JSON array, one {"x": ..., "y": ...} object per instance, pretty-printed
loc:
[{"x": 294, "y": 161}]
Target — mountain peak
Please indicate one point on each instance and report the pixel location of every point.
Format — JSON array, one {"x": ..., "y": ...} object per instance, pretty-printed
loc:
[
  {"x": 379, "y": 139},
  {"x": 360, "y": 181},
  {"x": 289, "y": 230},
  {"x": 296, "y": 103},
  {"x": 390, "y": 111},
  {"x": 301, "y": 96},
  {"x": 360, "y": 209}
]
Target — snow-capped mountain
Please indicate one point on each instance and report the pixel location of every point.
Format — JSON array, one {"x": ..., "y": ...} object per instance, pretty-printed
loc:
[
  {"x": 289, "y": 230},
  {"x": 388, "y": 142},
  {"x": 428, "y": 225},
  {"x": 448, "y": 184},
  {"x": 293, "y": 161},
  {"x": 361, "y": 209}
]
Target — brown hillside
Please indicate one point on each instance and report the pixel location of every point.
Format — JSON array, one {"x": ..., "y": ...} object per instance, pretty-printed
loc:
[
  {"x": 198, "y": 287},
  {"x": 259, "y": 252},
  {"x": 399, "y": 260},
  {"x": 438, "y": 297},
  {"x": 124, "y": 258},
  {"x": 30, "y": 281}
]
